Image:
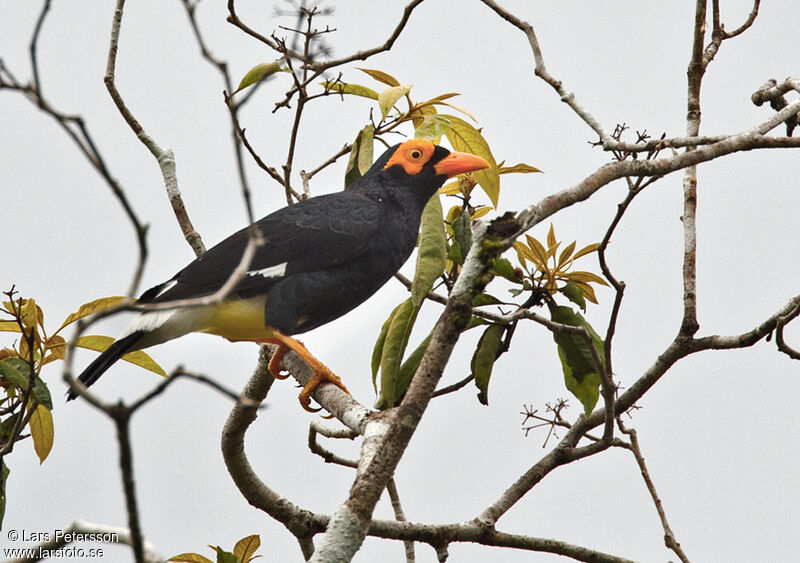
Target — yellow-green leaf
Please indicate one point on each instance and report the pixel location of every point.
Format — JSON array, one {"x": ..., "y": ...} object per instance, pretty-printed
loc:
[
  {"x": 480, "y": 212},
  {"x": 520, "y": 168},
  {"x": 586, "y": 289},
  {"x": 565, "y": 254},
  {"x": 101, "y": 343},
  {"x": 588, "y": 249},
  {"x": 539, "y": 251},
  {"x": 30, "y": 313},
  {"x": 464, "y": 137},
  {"x": 9, "y": 326},
  {"x": 42, "y": 431},
  {"x": 360, "y": 155},
  {"x": 92, "y": 307},
  {"x": 354, "y": 89},
  {"x": 55, "y": 346},
  {"x": 257, "y": 74},
  {"x": 586, "y": 277},
  {"x": 432, "y": 127},
  {"x": 451, "y": 188},
  {"x": 381, "y": 76},
  {"x": 457, "y": 108},
  {"x": 190, "y": 558},
  {"x": 551, "y": 237},
  {"x": 389, "y": 97},
  {"x": 440, "y": 98},
  {"x": 246, "y": 548},
  {"x": 432, "y": 252},
  {"x": 418, "y": 113}
]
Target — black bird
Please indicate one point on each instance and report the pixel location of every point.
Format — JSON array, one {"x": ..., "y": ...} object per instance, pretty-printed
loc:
[{"x": 321, "y": 258}]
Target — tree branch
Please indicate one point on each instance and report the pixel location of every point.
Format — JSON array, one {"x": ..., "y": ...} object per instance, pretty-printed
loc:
[
  {"x": 165, "y": 158},
  {"x": 669, "y": 537}
]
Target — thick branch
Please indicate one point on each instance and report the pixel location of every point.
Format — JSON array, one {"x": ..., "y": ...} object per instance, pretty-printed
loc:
[{"x": 393, "y": 429}]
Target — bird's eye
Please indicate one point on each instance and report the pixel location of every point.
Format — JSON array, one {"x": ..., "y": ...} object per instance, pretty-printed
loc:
[{"x": 415, "y": 154}]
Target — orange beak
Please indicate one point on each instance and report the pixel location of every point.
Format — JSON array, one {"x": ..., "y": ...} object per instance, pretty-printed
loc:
[{"x": 457, "y": 163}]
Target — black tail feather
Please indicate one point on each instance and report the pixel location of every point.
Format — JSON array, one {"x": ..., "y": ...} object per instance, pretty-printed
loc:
[{"x": 105, "y": 360}]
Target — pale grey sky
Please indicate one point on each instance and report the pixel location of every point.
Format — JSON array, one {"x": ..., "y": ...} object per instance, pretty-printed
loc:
[{"x": 719, "y": 431}]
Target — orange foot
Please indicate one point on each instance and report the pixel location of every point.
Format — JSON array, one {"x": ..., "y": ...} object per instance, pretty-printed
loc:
[{"x": 321, "y": 373}]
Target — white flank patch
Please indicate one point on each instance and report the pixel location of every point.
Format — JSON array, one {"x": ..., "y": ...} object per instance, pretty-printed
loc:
[
  {"x": 167, "y": 286},
  {"x": 272, "y": 272},
  {"x": 148, "y": 322}
]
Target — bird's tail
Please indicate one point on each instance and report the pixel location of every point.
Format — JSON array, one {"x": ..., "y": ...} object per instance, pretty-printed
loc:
[{"x": 105, "y": 360}]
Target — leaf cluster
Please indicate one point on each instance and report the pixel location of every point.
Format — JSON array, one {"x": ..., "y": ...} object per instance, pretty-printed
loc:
[
  {"x": 25, "y": 400},
  {"x": 243, "y": 552}
]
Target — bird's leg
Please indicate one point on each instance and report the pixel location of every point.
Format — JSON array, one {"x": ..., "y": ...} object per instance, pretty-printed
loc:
[
  {"x": 321, "y": 373},
  {"x": 274, "y": 365}
]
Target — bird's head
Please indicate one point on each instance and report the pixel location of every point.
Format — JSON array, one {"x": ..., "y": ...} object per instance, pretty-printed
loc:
[{"x": 420, "y": 167}]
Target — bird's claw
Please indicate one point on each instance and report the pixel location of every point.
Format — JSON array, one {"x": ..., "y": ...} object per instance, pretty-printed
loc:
[{"x": 321, "y": 375}]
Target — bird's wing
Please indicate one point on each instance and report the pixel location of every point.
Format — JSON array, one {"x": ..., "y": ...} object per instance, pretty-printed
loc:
[{"x": 312, "y": 235}]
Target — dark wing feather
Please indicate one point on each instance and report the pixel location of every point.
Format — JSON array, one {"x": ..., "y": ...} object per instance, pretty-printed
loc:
[{"x": 312, "y": 235}]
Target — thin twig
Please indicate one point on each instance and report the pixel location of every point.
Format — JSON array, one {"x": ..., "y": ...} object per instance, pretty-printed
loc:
[
  {"x": 34, "y": 51},
  {"x": 399, "y": 515},
  {"x": 315, "y": 428},
  {"x": 165, "y": 158},
  {"x": 222, "y": 68},
  {"x": 669, "y": 537},
  {"x": 779, "y": 340}
]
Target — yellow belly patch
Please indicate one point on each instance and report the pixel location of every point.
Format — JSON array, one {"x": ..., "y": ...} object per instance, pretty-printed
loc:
[{"x": 239, "y": 319}]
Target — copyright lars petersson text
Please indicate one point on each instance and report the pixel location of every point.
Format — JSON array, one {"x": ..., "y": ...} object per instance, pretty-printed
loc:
[{"x": 56, "y": 543}]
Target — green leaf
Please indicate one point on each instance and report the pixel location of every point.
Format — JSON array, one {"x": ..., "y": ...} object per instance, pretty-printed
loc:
[
  {"x": 360, "y": 156},
  {"x": 101, "y": 343},
  {"x": 246, "y": 548},
  {"x": 4, "y": 472},
  {"x": 377, "y": 350},
  {"x": 16, "y": 371},
  {"x": 432, "y": 127},
  {"x": 405, "y": 375},
  {"x": 41, "y": 394},
  {"x": 462, "y": 236},
  {"x": 190, "y": 558},
  {"x": 92, "y": 307},
  {"x": 389, "y": 97},
  {"x": 257, "y": 74},
  {"x": 411, "y": 364},
  {"x": 502, "y": 267},
  {"x": 353, "y": 89},
  {"x": 432, "y": 252},
  {"x": 394, "y": 346},
  {"x": 484, "y": 357},
  {"x": 577, "y": 361},
  {"x": 464, "y": 137},
  {"x": 483, "y": 299},
  {"x": 520, "y": 168},
  {"x": 226, "y": 556},
  {"x": 573, "y": 292},
  {"x": 42, "y": 431},
  {"x": 381, "y": 76},
  {"x": 587, "y": 390}
]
